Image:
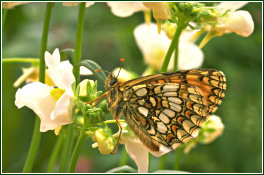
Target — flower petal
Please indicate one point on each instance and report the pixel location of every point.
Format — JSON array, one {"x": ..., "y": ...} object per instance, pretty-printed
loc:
[
  {"x": 139, "y": 153},
  {"x": 239, "y": 22},
  {"x": 161, "y": 10},
  {"x": 190, "y": 56},
  {"x": 125, "y": 9},
  {"x": 153, "y": 45},
  {"x": 62, "y": 113},
  {"x": 231, "y": 5},
  {"x": 60, "y": 72},
  {"x": 36, "y": 96},
  {"x": 52, "y": 61}
]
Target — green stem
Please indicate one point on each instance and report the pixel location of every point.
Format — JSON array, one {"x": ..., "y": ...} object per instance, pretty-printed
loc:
[
  {"x": 112, "y": 121},
  {"x": 173, "y": 47},
  {"x": 4, "y": 13},
  {"x": 76, "y": 151},
  {"x": 55, "y": 153},
  {"x": 33, "y": 147},
  {"x": 78, "y": 43},
  {"x": 162, "y": 163},
  {"x": 20, "y": 60},
  {"x": 150, "y": 157},
  {"x": 66, "y": 150},
  {"x": 177, "y": 158},
  {"x": 36, "y": 134}
]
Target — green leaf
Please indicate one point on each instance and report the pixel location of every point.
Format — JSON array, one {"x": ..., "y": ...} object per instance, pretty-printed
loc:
[
  {"x": 92, "y": 66},
  {"x": 67, "y": 54},
  {"x": 122, "y": 168}
]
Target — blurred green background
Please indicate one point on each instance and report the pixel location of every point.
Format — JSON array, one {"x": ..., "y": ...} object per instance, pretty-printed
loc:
[{"x": 107, "y": 38}]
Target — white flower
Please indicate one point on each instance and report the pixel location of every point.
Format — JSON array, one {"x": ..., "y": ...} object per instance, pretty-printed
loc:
[
  {"x": 239, "y": 21},
  {"x": 140, "y": 153},
  {"x": 137, "y": 150},
  {"x": 154, "y": 47},
  {"x": 212, "y": 129},
  {"x": 53, "y": 106},
  {"x": 125, "y": 9}
]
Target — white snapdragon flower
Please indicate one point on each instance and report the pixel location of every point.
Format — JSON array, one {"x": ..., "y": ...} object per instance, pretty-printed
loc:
[
  {"x": 239, "y": 21},
  {"x": 154, "y": 47},
  {"x": 52, "y": 105}
]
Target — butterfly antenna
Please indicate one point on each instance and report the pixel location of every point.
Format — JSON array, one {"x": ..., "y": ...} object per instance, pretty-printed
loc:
[
  {"x": 121, "y": 63},
  {"x": 98, "y": 70}
]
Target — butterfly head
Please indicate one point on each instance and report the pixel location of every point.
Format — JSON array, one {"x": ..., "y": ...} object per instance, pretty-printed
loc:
[{"x": 110, "y": 81}]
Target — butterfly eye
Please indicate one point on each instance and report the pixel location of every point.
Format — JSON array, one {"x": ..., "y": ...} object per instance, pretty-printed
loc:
[{"x": 113, "y": 82}]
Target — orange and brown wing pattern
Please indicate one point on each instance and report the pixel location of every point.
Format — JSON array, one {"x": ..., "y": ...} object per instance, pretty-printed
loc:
[{"x": 169, "y": 108}]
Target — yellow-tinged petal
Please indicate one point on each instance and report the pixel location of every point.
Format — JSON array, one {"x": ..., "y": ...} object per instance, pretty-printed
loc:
[
  {"x": 161, "y": 10},
  {"x": 9, "y": 5},
  {"x": 57, "y": 130},
  {"x": 56, "y": 93}
]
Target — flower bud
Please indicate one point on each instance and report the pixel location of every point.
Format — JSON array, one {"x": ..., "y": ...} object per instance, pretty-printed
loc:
[{"x": 105, "y": 140}]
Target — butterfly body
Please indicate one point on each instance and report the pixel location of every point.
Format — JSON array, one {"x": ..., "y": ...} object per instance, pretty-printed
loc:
[{"x": 166, "y": 108}]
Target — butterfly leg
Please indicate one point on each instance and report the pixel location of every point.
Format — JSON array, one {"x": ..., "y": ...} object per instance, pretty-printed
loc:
[
  {"x": 96, "y": 100},
  {"x": 117, "y": 143}
]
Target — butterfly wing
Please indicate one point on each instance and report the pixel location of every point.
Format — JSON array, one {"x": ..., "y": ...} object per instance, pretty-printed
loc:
[{"x": 168, "y": 109}]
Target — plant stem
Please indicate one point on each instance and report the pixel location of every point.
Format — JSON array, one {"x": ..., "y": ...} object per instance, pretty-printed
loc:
[
  {"x": 76, "y": 151},
  {"x": 76, "y": 72},
  {"x": 162, "y": 163},
  {"x": 177, "y": 158},
  {"x": 66, "y": 150},
  {"x": 150, "y": 157},
  {"x": 55, "y": 153},
  {"x": 20, "y": 60},
  {"x": 78, "y": 43},
  {"x": 4, "y": 13},
  {"x": 33, "y": 147},
  {"x": 36, "y": 133},
  {"x": 44, "y": 41},
  {"x": 174, "y": 46}
]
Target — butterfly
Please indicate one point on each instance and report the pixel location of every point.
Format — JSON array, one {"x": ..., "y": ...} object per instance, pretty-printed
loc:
[{"x": 166, "y": 109}]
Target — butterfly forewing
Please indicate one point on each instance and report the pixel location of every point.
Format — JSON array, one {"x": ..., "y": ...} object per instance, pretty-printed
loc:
[{"x": 168, "y": 108}]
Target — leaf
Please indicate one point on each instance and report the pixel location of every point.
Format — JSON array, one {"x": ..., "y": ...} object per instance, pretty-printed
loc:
[
  {"x": 92, "y": 66},
  {"x": 122, "y": 168},
  {"x": 67, "y": 54}
]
